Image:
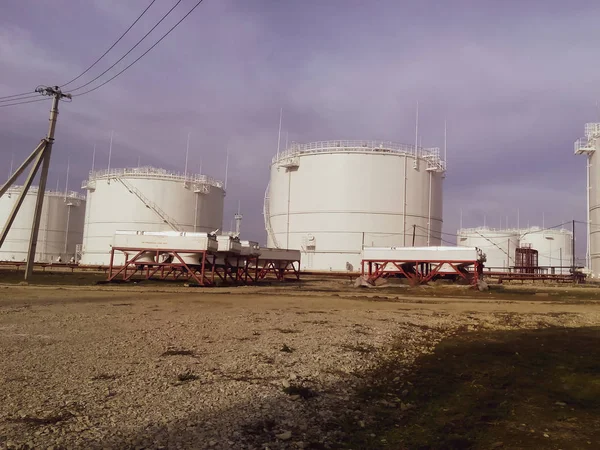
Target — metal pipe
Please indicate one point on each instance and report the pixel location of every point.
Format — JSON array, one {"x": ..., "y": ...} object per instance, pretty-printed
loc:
[
  {"x": 288, "y": 208},
  {"x": 279, "y": 133},
  {"x": 404, "y": 203},
  {"x": 110, "y": 148},
  {"x": 429, "y": 213},
  {"x": 196, "y": 213},
  {"x": 588, "y": 259},
  {"x": 66, "y": 229}
]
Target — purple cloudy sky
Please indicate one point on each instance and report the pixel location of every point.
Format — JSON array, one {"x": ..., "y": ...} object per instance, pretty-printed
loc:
[{"x": 516, "y": 80}]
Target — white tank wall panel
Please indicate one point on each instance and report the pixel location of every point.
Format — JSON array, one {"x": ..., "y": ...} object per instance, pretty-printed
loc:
[
  {"x": 114, "y": 206},
  {"x": 555, "y": 247},
  {"x": 498, "y": 245},
  {"x": 61, "y": 225},
  {"x": 336, "y": 201}
]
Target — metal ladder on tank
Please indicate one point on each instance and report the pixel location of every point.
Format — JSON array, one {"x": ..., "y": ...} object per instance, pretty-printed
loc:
[
  {"x": 151, "y": 205},
  {"x": 267, "y": 216}
]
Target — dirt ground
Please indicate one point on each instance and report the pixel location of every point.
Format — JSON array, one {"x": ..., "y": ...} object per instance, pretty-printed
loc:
[{"x": 314, "y": 365}]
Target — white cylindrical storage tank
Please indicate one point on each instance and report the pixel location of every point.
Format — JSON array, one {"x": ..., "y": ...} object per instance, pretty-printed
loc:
[
  {"x": 330, "y": 199},
  {"x": 498, "y": 245},
  {"x": 61, "y": 225},
  {"x": 146, "y": 199},
  {"x": 555, "y": 247}
]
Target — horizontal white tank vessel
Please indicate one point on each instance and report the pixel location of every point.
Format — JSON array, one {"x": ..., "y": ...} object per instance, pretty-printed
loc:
[
  {"x": 229, "y": 244},
  {"x": 406, "y": 254},
  {"x": 61, "y": 225},
  {"x": 498, "y": 245},
  {"x": 147, "y": 199},
  {"x": 554, "y": 246},
  {"x": 250, "y": 248},
  {"x": 195, "y": 244},
  {"x": 330, "y": 199}
]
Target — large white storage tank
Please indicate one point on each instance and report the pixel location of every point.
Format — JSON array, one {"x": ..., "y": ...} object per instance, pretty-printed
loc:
[
  {"x": 330, "y": 199},
  {"x": 61, "y": 225},
  {"x": 146, "y": 199},
  {"x": 498, "y": 245},
  {"x": 554, "y": 246}
]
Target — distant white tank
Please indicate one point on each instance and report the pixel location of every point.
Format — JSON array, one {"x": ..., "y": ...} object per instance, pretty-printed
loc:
[
  {"x": 498, "y": 245},
  {"x": 146, "y": 199},
  {"x": 330, "y": 199},
  {"x": 554, "y": 246},
  {"x": 61, "y": 225}
]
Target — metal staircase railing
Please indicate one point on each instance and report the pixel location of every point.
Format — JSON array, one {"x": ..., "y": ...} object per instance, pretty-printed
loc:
[
  {"x": 267, "y": 217},
  {"x": 149, "y": 204}
]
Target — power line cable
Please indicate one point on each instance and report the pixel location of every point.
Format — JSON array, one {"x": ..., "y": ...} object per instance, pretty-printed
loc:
[
  {"x": 19, "y": 99},
  {"x": 143, "y": 54},
  {"x": 132, "y": 48},
  {"x": 112, "y": 46},
  {"x": 16, "y": 95},
  {"x": 23, "y": 103}
]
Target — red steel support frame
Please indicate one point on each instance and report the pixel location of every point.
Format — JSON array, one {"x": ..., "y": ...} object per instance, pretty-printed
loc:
[
  {"x": 234, "y": 268},
  {"x": 174, "y": 267},
  {"x": 229, "y": 270},
  {"x": 419, "y": 272},
  {"x": 281, "y": 269}
]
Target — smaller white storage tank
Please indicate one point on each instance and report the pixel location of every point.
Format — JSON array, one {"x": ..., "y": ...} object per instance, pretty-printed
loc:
[
  {"x": 61, "y": 225},
  {"x": 498, "y": 245},
  {"x": 146, "y": 199},
  {"x": 554, "y": 246}
]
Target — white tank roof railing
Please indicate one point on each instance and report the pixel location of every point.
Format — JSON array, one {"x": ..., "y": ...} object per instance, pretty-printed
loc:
[
  {"x": 520, "y": 231},
  {"x": 295, "y": 149},
  {"x": 154, "y": 173},
  {"x": 592, "y": 130},
  {"x": 477, "y": 230},
  {"x": 52, "y": 193}
]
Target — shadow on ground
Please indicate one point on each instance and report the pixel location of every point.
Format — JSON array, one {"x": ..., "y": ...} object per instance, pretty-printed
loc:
[{"x": 486, "y": 390}]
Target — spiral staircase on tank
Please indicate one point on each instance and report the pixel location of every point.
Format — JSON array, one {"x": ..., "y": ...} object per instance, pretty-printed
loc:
[
  {"x": 150, "y": 205},
  {"x": 267, "y": 217}
]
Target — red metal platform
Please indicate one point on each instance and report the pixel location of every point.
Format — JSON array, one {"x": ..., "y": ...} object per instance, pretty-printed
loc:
[
  {"x": 419, "y": 272},
  {"x": 212, "y": 267}
]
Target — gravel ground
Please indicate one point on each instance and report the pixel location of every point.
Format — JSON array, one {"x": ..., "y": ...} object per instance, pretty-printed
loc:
[{"x": 215, "y": 369}]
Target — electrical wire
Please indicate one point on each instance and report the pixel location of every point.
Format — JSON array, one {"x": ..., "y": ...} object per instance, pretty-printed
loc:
[
  {"x": 111, "y": 47},
  {"x": 16, "y": 95},
  {"x": 131, "y": 49},
  {"x": 23, "y": 103},
  {"x": 19, "y": 99},
  {"x": 143, "y": 54}
]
